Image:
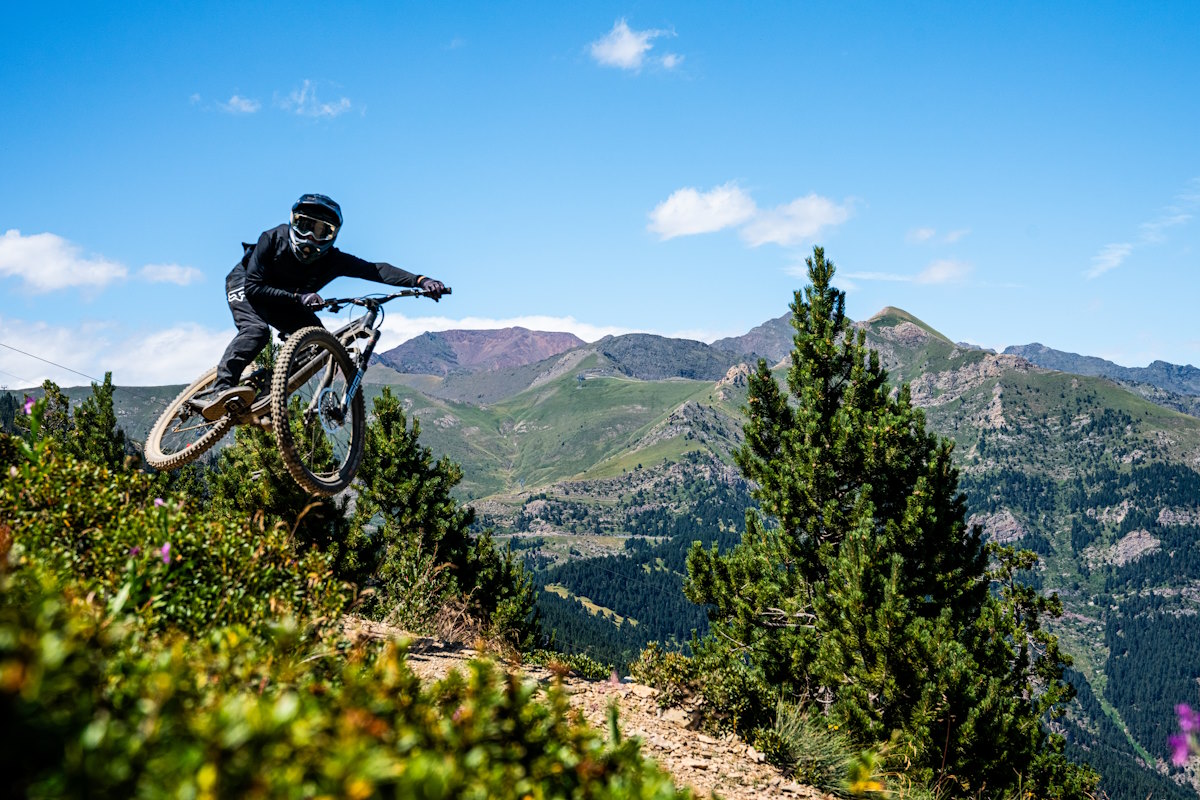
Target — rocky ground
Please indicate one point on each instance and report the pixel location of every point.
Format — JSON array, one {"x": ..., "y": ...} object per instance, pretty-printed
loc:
[{"x": 712, "y": 767}]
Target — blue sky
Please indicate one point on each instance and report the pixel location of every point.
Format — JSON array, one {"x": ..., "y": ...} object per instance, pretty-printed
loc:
[{"x": 1009, "y": 173}]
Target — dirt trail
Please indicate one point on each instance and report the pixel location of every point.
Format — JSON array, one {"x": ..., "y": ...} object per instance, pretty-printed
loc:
[{"x": 725, "y": 766}]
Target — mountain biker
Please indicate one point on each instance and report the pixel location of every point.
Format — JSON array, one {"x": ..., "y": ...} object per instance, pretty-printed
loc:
[{"x": 276, "y": 284}]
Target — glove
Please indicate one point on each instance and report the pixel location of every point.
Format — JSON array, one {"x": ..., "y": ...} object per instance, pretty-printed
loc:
[
  {"x": 311, "y": 300},
  {"x": 435, "y": 288}
]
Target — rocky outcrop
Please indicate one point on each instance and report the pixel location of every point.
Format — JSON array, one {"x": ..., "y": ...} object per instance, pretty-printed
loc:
[
  {"x": 939, "y": 388},
  {"x": 1001, "y": 527},
  {"x": 737, "y": 377},
  {"x": 1111, "y": 514},
  {"x": 1179, "y": 516},
  {"x": 1129, "y": 547}
]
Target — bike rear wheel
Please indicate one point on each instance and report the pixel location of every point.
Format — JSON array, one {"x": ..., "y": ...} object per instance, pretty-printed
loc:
[
  {"x": 319, "y": 432},
  {"x": 181, "y": 434}
]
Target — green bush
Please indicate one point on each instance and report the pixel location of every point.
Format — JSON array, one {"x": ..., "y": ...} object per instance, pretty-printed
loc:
[
  {"x": 129, "y": 668},
  {"x": 735, "y": 694},
  {"x": 101, "y": 710},
  {"x": 182, "y": 567},
  {"x": 579, "y": 663},
  {"x": 671, "y": 673}
]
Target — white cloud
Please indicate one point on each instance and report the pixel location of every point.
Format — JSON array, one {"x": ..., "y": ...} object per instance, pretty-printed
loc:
[
  {"x": 83, "y": 352},
  {"x": 943, "y": 271},
  {"x": 688, "y": 211},
  {"x": 173, "y": 355},
  {"x": 868, "y": 276},
  {"x": 46, "y": 262},
  {"x": 795, "y": 223},
  {"x": 921, "y": 234},
  {"x": 625, "y": 48},
  {"x": 1153, "y": 232},
  {"x": 1110, "y": 257},
  {"x": 240, "y": 105},
  {"x": 304, "y": 101},
  {"x": 170, "y": 273},
  {"x": 77, "y": 354}
]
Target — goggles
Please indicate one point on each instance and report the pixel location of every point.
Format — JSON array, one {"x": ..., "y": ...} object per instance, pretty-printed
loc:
[{"x": 313, "y": 228}]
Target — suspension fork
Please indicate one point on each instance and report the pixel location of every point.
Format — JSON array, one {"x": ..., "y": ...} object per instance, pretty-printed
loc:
[{"x": 364, "y": 358}]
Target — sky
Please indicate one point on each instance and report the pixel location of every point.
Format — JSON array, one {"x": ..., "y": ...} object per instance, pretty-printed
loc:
[{"x": 1007, "y": 172}]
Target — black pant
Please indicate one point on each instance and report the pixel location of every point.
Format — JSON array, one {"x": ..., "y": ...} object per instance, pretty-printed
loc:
[{"x": 254, "y": 322}]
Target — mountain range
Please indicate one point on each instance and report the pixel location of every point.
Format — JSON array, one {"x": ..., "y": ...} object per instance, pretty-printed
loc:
[
  {"x": 447, "y": 351},
  {"x": 1092, "y": 469},
  {"x": 601, "y": 462}
]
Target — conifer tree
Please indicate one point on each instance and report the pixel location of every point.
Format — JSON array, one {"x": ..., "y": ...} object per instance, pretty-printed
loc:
[
  {"x": 250, "y": 479},
  {"x": 97, "y": 437},
  {"x": 858, "y": 589},
  {"x": 414, "y": 540},
  {"x": 56, "y": 419},
  {"x": 10, "y": 407}
]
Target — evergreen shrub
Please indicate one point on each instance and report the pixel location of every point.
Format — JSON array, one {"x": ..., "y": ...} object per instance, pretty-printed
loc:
[
  {"x": 130, "y": 669},
  {"x": 182, "y": 567}
]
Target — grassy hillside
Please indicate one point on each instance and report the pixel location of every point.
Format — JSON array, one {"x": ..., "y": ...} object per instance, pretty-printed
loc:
[{"x": 1095, "y": 478}]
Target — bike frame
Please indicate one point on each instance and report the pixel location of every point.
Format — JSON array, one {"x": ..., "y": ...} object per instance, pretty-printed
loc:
[{"x": 349, "y": 335}]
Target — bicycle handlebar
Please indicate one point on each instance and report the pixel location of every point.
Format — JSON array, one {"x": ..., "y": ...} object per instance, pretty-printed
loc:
[{"x": 335, "y": 305}]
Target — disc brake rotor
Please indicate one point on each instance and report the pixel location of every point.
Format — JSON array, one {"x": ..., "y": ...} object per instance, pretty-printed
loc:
[{"x": 329, "y": 411}]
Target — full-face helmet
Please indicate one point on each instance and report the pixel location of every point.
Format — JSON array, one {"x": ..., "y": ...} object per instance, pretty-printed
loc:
[{"x": 315, "y": 223}]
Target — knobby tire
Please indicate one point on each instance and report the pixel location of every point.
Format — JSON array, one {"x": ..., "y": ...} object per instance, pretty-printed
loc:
[
  {"x": 302, "y": 363},
  {"x": 182, "y": 420}
]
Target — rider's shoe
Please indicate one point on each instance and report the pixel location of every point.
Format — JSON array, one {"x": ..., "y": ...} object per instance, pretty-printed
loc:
[{"x": 220, "y": 406}]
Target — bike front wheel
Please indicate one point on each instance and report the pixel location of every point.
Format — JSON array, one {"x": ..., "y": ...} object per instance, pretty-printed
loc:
[
  {"x": 318, "y": 428},
  {"x": 182, "y": 434}
]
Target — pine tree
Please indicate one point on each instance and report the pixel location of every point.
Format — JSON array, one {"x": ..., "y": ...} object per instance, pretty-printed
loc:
[
  {"x": 10, "y": 407},
  {"x": 56, "y": 419},
  {"x": 414, "y": 540},
  {"x": 250, "y": 479},
  {"x": 97, "y": 437},
  {"x": 858, "y": 589}
]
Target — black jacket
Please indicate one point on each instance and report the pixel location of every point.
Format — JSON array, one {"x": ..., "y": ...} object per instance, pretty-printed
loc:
[{"x": 270, "y": 272}]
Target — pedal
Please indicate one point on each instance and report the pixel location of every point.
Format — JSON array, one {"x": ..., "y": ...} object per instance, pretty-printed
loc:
[{"x": 233, "y": 401}]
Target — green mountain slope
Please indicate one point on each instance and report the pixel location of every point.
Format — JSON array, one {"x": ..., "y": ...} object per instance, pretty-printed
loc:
[{"x": 594, "y": 449}]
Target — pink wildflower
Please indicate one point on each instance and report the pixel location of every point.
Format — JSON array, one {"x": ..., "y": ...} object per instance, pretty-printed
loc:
[
  {"x": 28, "y": 405},
  {"x": 1180, "y": 749},
  {"x": 133, "y": 551},
  {"x": 159, "y": 502},
  {"x": 166, "y": 553},
  {"x": 1189, "y": 720}
]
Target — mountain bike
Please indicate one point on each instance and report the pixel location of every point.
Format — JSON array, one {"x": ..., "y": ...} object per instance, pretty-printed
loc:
[{"x": 310, "y": 399}]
